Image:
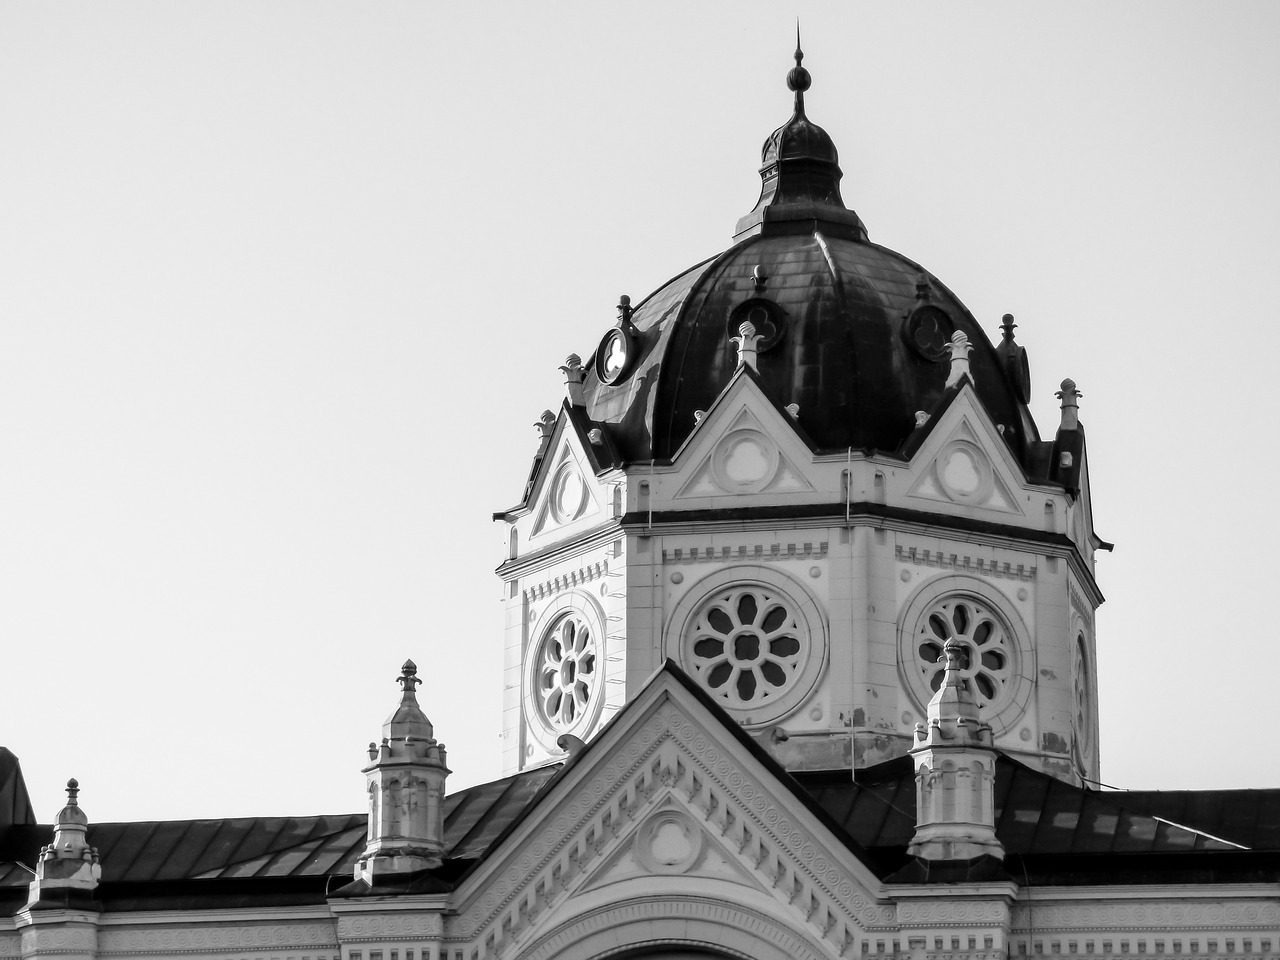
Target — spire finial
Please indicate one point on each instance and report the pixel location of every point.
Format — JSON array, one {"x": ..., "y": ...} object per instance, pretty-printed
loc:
[
  {"x": 408, "y": 678},
  {"x": 73, "y": 792},
  {"x": 1007, "y": 325},
  {"x": 798, "y": 78},
  {"x": 960, "y": 347}
]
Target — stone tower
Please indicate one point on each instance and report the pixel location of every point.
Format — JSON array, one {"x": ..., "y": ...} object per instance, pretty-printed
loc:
[{"x": 799, "y": 470}]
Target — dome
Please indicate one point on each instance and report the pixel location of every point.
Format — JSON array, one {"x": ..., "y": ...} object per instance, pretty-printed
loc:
[{"x": 854, "y": 333}]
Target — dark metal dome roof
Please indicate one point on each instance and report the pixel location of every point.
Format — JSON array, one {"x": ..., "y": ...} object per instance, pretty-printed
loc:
[{"x": 856, "y": 332}]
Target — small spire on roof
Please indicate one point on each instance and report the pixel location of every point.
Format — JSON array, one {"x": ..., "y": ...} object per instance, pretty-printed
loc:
[
  {"x": 73, "y": 792},
  {"x": 1007, "y": 325},
  {"x": 574, "y": 373},
  {"x": 1070, "y": 398},
  {"x": 798, "y": 78},
  {"x": 624, "y": 308}
]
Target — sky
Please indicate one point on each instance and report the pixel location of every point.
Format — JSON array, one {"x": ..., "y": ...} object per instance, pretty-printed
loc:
[{"x": 284, "y": 286}]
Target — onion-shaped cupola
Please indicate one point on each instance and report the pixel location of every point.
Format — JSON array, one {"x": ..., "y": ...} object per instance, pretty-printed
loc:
[
  {"x": 854, "y": 335},
  {"x": 800, "y": 175}
]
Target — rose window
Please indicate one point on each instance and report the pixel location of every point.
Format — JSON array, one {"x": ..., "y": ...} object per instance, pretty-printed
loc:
[
  {"x": 988, "y": 656},
  {"x": 565, "y": 678},
  {"x": 746, "y": 645},
  {"x": 1081, "y": 672}
]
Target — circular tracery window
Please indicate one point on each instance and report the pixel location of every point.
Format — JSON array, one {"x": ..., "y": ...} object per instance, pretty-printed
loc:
[
  {"x": 566, "y": 672},
  {"x": 1080, "y": 671},
  {"x": 988, "y": 652},
  {"x": 747, "y": 645}
]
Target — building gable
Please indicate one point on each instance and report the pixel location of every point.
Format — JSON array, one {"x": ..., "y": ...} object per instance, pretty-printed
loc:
[
  {"x": 566, "y": 497},
  {"x": 670, "y": 798}
]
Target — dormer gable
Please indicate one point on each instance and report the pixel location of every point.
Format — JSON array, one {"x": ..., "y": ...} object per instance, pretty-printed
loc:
[
  {"x": 743, "y": 450},
  {"x": 960, "y": 461},
  {"x": 566, "y": 496}
]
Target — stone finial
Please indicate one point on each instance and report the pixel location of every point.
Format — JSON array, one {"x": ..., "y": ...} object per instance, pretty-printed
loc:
[
  {"x": 960, "y": 348},
  {"x": 759, "y": 279},
  {"x": 408, "y": 678},
  {"x": 406, "y": 776},
  {"x": 955, "y": 761},
  {"x": 1070, "y": 398},
  {"x": 624, "y": 309},
  {"x": 747, "y": 343},
  {"x": 573, "y": 376},
  {"x": 68, "y": 863},
  {"x": 1007, "y": 326},
  {"x": 545, "y": 424}
]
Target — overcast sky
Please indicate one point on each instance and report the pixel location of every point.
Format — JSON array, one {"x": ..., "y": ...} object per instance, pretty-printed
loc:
[{"x": 283, "y": 287}]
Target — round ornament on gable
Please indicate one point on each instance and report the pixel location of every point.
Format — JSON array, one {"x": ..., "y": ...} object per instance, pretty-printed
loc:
[
  {"x": 745, "y": 461},
  {"x": 568, "y": 493},
  {"x": 965, "y": 472}
]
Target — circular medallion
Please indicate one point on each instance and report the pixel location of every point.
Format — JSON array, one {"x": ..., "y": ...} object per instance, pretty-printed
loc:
[
  {"x": 668, "y": 842},
  {"x": 568, "y": 494},
  {"x": 1020, "y": 372},
  {"x": 765, "y": 315},
  {"x": 928, "y": 332},
  {"x": 614, "y": 356},
  {"x": 964, "y": 472},
  {"x": 744, "y": 461}
]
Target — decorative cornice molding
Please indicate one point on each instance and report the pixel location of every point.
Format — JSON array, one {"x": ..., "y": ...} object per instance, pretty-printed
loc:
[
  {"x": 758, "y": 552},
  {"x": 1163, "y": 917},
  {"x": 394, "y": 927},
  {"x": 951, "y": 561},
  {"x": 567, "y": 581}
]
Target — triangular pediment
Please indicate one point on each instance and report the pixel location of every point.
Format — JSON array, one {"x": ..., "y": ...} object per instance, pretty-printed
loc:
[
  {"x": 965, "y": 462},
  {"x": 743, "y": 446},
  {"x": 672, "y": 841},
  {"x": 669, "y": 798},
  {"x": 566, "y": 495}
]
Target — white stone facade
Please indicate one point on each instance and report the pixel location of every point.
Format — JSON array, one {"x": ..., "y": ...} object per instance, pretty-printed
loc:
[{"x": 861, "y": 579}]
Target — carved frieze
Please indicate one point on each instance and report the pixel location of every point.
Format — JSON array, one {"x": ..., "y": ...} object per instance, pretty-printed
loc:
[
  {"x": 758, "y": 552},
  {"x": 975, "y": 565},
  {"x": 391, "y": 926},
  {"x": 567, "y": 581}
]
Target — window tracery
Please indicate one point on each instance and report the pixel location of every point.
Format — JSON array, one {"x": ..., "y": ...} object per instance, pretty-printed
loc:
[
  {"x": 753, "y": 639},
  {"x": 999, "y": 660},
  {"x": 566, "y": 671}
]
